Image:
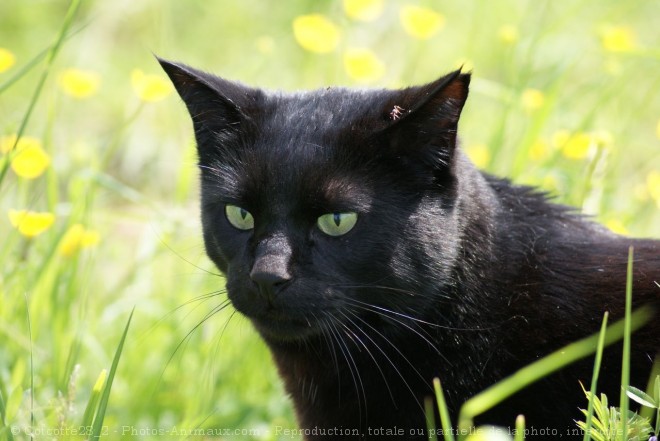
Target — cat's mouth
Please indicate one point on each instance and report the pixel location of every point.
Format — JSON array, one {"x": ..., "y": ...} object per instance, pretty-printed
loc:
[{"x": 274, "y": 325}]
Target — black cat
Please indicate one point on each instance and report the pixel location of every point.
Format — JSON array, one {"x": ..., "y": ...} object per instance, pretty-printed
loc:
[{"x": 372, "y": 256}]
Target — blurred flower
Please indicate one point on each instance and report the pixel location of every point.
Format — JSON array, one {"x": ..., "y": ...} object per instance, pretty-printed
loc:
[
  {"x": 532, "y": 99},
  {"x": 315, "y": 33},
  {"x": 31, "y": 223},
  {"x": 616, "y": 226},
  {"x": 79, "y": 83},
  {"x": 618, "y": 39},
  {"x": 30, "y": 160},
  {"x": 577, "y": 145},
  {"x": 653, "y": 186},
  {"x": 77, "y": 238},
  {"x": 265, "y": 44},
  {"x": 572, "y": 145},
  {"x": 363, "y": 10},
  {"x": 508, "y": 34},
  {"x": 421, "y": 22},
  {"x": 150, "y": 87},
  {"x": 7, "y": 59},
  {"x": 363, "y": 65},
  {"x": 479, "y": 154}
]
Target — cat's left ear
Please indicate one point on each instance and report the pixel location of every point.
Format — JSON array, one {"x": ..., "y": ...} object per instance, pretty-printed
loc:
[
  {"x": 219, "y": 108},
  {"x": 423, "y": 120}
]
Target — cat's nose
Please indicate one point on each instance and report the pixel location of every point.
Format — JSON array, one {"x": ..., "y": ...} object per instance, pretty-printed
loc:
[
  {"x": 270, "y": 270},
  {"x": 269, "y": 278}
]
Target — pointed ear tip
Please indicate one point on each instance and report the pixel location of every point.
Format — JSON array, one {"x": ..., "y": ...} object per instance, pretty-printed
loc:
[
  {"x": 466, "y": 77},
  {"x": 165, "y": 64}
]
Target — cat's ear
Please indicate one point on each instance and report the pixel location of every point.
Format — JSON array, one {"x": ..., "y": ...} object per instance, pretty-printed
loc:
[
  {"x": 219, "y": 108},
  {"x": 422, "y": 121}
]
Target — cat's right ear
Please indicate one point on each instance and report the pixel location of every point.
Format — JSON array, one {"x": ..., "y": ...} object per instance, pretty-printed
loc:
[{"x": 219, "y": 108}]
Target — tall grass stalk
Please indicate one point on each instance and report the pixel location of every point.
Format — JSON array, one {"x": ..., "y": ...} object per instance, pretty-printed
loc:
[
  {"x": 520, "y": 428},
  {"x": 430, "y": 420},
  {"x": 625, "y": 367},
  {"x": 544, "y": 367},
  {"x": 594, "y": 377},
  {"x": 445, "y": 421},
  {"x": 50, "y": 59},
  {"x": 97, "y": 427}
]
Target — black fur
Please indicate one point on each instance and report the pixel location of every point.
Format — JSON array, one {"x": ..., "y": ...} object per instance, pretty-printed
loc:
[{"x": 448, "y": 273}]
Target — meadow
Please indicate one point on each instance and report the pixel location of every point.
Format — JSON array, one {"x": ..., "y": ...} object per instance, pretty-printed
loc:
[{"x": 98, "y": 179}]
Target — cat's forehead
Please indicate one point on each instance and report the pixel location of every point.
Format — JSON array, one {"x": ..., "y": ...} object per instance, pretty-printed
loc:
[
  {"x": 330, "y": 108},
  {"x": 306, "y": 151}
]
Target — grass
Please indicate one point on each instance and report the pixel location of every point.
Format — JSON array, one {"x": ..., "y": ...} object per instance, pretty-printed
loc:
[{"x": 121, "y": 165}]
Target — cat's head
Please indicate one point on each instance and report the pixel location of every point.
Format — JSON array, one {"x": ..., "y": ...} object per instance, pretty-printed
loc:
[{"x": 327, "y": 206}]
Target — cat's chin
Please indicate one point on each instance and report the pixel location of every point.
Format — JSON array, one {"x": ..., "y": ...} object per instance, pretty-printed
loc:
[{"x": 284, "y": 329}]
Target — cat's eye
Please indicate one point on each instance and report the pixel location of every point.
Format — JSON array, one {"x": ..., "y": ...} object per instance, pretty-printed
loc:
[
  {"x": 337, "y": 224},
  {"x": 239, "y": 217}
]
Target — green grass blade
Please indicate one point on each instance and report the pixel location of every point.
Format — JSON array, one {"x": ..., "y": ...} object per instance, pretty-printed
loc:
[
  {"x": 542, "y": 368},
  {"x": 3, "y": 423},
  {"x": 52, "y": 53},
  {"x": 103, "y": 403},
  {"x": 594, "y": 378},
  {"x": 625, "y": 363},
  {"x": 445, "y": 421},
  {"x": 520, "y": 428},
  {"x": 29, "y": 324},
  {"x": 23, "y": 71},
  {"x": 88, "y": 416},
  {"x": 34, "y": 61},
  {"x": 430, "y": 421}
]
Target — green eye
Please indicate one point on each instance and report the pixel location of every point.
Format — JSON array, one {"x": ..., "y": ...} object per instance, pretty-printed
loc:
[
  {"x": 239, "y": 217},
  {"x": 337, "y": 224}
]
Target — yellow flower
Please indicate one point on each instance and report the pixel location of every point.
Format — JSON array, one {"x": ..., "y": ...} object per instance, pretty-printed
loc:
[
  {"x": 363, "y": 65},
  {"x": 616, "y": 226},
  {"x": 30, "y": 160},
  {"x": 578, "y": 145},
  {"x": 79, "y": 83},
  {"x": 653, "y": 186},
  {"x": 479, "y": 154},
  {"x": 150, "y": 87},
  {"x": 7, "y": 60},
  {"x": 76, "y": 238},
  {"x": 421, "y": 22},
  {"x": 315, "y": 33},
  {"x": 508, "y": 34},
  {"x": 532, "y": 99},
  {"x": 30, "y": 223},
  {"x": 363, "y": 10},
  {"x": 618, "y": 39}
]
